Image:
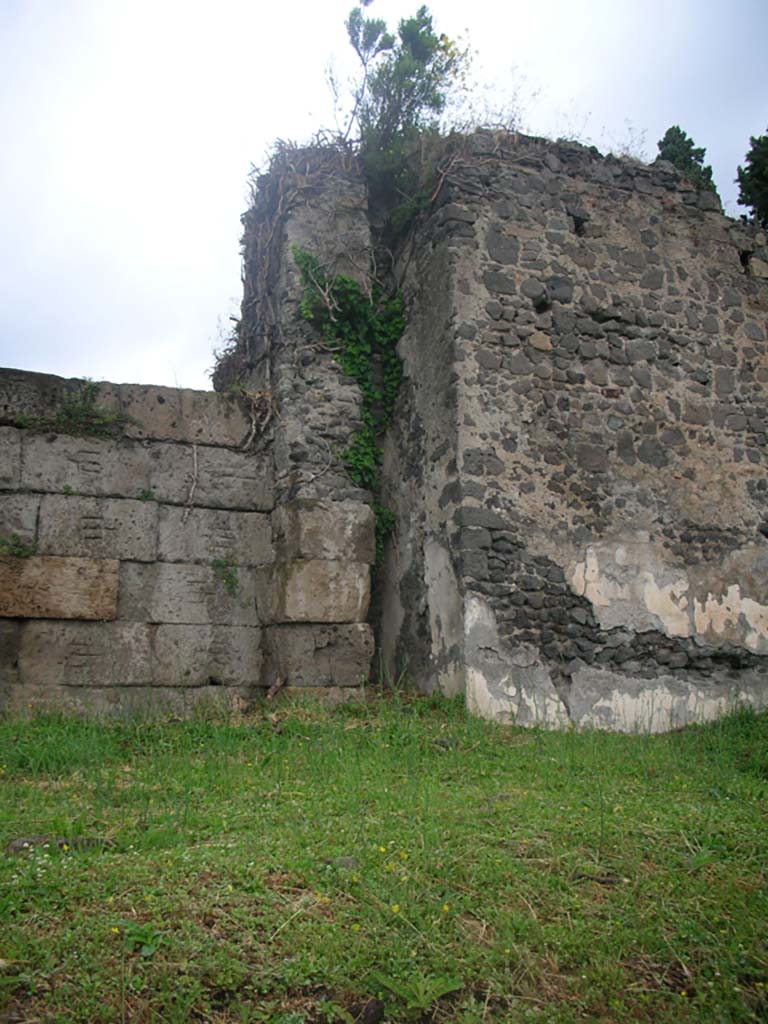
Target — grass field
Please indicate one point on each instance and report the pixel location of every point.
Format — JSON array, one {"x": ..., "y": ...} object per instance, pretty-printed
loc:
[{"x": 311, "y": 866}]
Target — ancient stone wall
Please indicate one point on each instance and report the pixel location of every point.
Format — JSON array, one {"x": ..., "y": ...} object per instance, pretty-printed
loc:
[
  {"x": 577, "y": 464},
  {"x": 136, "y": 571},
  {"x": 320, "y": 583},
  {"x": 583, "y": 525}
]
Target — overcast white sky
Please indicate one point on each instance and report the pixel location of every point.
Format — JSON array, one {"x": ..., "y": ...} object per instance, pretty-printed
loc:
[{"x": 127, "y": 129}]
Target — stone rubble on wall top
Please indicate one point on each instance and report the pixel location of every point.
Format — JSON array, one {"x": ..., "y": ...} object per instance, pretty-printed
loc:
[{"x": 153, "y": 412}]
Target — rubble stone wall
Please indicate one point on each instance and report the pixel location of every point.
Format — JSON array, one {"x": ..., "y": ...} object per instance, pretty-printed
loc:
[{"x": 584, "y": 519}]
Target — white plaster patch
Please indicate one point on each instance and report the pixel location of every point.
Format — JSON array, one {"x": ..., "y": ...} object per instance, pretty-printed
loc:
[
  {"x": 601, "y": 699},
  {"x": 507, "y": 684},
  {"x": 445, "y": 615},
  {"x": 480, "y": 700},
  {"x": 631, "y": 584},
  {"x": 717, "y": 614},
  {"x": 668, "y": 603}
]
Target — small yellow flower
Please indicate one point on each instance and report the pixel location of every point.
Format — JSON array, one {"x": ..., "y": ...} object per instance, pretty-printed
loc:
[
  {"x": 507, "y": 950},
  {"x": 65, "y": 847},
  {"x": 403, "y": 855},
  {"x": 355, "y": 927},
  {"x": 110, "y": 899},
  {"x": 354, "y": 878},
  {"x": 446, "y": 908},
  {"x": 115, "y": 931},
  {"x": 395, "y": 908},
  {"x": 382, "y": 849}
]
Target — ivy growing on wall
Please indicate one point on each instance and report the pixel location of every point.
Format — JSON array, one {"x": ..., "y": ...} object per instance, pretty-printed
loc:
[{"x": 362, "y": 331}]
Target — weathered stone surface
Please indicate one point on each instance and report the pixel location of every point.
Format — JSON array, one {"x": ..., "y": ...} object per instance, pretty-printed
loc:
[
  {"x": 84, "y": 654},
  {"x": 10, "y": 631},
  {"x": 211, "y": 656},
  {"x": 600, "y": 699},
  {"x": 321, "y": 696},
  {"x": 48, "y": 587},
  {"x": 325, "y": 530},
  {"x": 193, "y": 594},
  {"x": 331, "y": 655},
  {"x": 208, "y": 534},
  {"x": 126, "y": 701},
  {"x": 314, "y": 591},
  {"x": 10, "y": 458},
  {"x": 18, "y": 515},
  {"x": 641, "y": 408},
  {"x": 509, "y": 684},
  {"x": 84, "y": 465},
  {"x": 98, "y": 527},
  {"x": 35, "y": 398},
  {"x": 176, "y": 414},
  {"x": 211, "y": 477}
]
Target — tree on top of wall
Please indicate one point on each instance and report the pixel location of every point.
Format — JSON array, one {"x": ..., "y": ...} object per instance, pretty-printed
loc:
[
  {"x": 679, "y": 149},
  {"x": 405, "y": 82},
  {"x": 753, "y": 179}
]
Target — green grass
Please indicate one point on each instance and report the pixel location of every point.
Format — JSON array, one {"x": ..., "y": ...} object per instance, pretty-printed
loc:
[{"x": 282, "y": 868}]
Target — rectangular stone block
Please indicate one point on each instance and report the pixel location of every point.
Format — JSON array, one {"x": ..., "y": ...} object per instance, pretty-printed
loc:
[
  {"x": 211, "y": 477},
  {"x": 341, "y": 530},
  {"x": 98, "y": 527},
  {"x": 208, "y": 656},
  {"x": 314, "y": 591},
  {"x": 84, "y": 654},
  {"x": 332, "y": 655},
  {"x": 99, "y": 701},
  {"x": 10, "y": 459},
  {"x": 191, "y": 594},
  {"x": 207, "y": 534},
  {"x": 18, "y": 515},
  {"x": 49, "y": 587},
  {"x": 84, "y": 465},
  {"x": 9, "y": 658},
  {"x": 175, "y": 414}
]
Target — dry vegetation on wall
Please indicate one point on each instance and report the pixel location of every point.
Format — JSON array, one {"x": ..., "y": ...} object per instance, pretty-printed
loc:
[{"x": 274, "y": 196}]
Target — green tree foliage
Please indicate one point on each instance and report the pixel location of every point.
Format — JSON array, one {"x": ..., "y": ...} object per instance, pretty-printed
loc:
[
  {"x": 679, "y": 149},
  {"x": 405, "y": 84},
  {"x": 753, "y": 179}
]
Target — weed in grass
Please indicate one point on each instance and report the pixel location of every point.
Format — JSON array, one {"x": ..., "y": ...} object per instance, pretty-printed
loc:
[
  {"x": 144, "y": 939},
  {"x": 417, "y": 993}
]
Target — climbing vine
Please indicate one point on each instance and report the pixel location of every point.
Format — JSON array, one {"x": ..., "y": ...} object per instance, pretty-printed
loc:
[{"x": 362, "y": 331}]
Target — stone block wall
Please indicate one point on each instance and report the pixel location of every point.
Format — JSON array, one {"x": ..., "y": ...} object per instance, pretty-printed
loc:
[
  {"x": 582, "y": 444},
  {"x": 317, "y": 592},
  {"x": 149, "y": 579}
]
